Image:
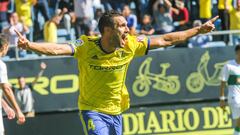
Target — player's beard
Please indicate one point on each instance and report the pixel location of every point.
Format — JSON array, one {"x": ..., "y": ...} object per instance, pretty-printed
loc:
[{"x": 116, "y": 41}]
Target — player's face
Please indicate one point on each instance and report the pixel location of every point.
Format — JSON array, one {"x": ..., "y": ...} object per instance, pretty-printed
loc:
[
  {"x": 15, "y": 18},
  {"x": 120, "y": 32},
  {"x": 22, "y": 82}
]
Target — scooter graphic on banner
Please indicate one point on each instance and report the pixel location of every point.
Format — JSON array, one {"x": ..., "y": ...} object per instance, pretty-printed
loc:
[
  {"x": 197, "y": 80},
  {"x": 161, "y": 82}
]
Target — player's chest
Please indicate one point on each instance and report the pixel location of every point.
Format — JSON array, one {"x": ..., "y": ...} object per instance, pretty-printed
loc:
[{"x": 119, "y": 57}]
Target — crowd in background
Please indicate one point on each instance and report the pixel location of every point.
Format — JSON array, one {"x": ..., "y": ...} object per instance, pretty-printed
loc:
[{"x": 49, "y": 20}]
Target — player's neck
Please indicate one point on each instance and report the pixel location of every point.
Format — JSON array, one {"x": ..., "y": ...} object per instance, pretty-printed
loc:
[
  {"x": 106, "y": 45},
  {"x": 238, "y": 60}
]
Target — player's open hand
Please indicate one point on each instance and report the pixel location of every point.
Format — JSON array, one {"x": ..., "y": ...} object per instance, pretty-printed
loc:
[
  {"x": 21, "y": 118},
  {"x": 23, "y": 43},
  {"x": 208, "y": 26}
]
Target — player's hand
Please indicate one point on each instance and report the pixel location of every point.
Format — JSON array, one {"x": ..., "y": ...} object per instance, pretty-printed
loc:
[
  {"x": 222, "y": 104},
  {"x": 23, "y": 43},
  {"x": 208, "y": 26},
  {"x": 21, "y": 118},
  {"x": 43, "y": 65},
  {"x": 10, "y": 113}
]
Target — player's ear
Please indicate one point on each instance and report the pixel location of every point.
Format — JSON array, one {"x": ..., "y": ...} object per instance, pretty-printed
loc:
[{"x": 107, "y": 30}]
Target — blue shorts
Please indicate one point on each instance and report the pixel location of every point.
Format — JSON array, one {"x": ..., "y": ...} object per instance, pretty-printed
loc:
[{"x": 95, "y": 123}]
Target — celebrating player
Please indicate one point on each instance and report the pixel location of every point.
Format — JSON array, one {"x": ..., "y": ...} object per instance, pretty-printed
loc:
[
  {"x": 103, "y": 64},
  {"x": 231, "y": 76}
]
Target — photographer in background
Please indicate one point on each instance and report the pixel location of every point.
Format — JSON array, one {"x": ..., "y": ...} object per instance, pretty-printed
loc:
[{"x": 24, "y": 93}]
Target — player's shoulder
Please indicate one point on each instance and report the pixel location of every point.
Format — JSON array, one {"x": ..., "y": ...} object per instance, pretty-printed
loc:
[
  {"x": 231, "y": 62},
  {"x": 139, "y": 38},
  {"x": 85, "y": 40},
  {"x": 2, "y": 65},
  {"x": 93, "y": 39}
]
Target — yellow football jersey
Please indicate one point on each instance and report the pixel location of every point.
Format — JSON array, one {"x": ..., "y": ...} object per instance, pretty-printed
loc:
[
  {"x": 234, "y": 20},
  {"x": 221, "y": 4},
  {"x": 102, "y": 76},
  {"x": 205, "y": 9}
]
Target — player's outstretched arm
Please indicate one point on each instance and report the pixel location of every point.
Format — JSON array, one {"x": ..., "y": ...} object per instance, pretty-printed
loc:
[
  {"x": 44, "y": 48},
  {"x": 181, "y": 36}
]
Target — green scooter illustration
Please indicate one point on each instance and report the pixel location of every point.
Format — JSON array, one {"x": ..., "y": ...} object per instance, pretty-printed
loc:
[
  {"x": 197, "y": 80},
  {"x": 161, "y": 82}
]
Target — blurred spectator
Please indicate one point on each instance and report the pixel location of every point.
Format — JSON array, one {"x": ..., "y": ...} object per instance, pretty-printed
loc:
[
  {"x": 67, "y": 17},
  {"x": 118, "y": 4},
  {"x": 23, "y": 9},
  {"x": 41, "y": 6},
  {"x": 98, "y": 5},
  {"x": 199, "y": 40},
  {"x": 15, "y": 24},
  {"x": 50, "y": 27},
  {"x": 3, "y": 14},
  {"x": 180, "y": 15},
  {"x": 194, "y": 9},
  {"x": 93, "y": 24},
  {"x": 235, "y": 23},
  {"x": 24, "y": 93},
  {"x": 205, "y": 10},
  {"x": 106, "y": 4},
  {"x": 98, "y": 14},
  {"x": 84, "y": 13},
  {"x": 12, "y": 36},
  {"x": 131, "y": 19},
  {"x": 52, "y": 4},
  {"x": 147, "y": 27},
  {"x": 163, "y": 18},
  {"x": 141, "y": 7},
  {"x": 224, "y": 7}
]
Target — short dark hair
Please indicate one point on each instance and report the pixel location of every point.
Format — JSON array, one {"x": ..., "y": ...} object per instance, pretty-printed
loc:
[
  {"x": 237, "y": 48},
  {"x": 107, "y": 20},
  {"x": 3, "y": 40},
  {"x": 19, "y": 77}
]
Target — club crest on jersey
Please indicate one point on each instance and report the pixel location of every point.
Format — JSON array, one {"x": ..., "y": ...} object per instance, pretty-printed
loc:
[
  {"x": 140, "y": 38},
  {"x": 78, "y": 42}
]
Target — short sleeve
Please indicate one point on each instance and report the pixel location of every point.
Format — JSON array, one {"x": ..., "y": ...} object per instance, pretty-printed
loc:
[
  {"x": 225, "y": 74},
  {"x": 141, "y": 45},
  {"x": 76, "y": 46},
  {"x": 3, "y": 73}
]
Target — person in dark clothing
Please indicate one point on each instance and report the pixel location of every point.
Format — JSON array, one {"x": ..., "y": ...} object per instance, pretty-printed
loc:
[
  {"x": 41, "y": 6},
  {"x": 147, "y": 27},
  {"x": 180, "y": 16}
]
